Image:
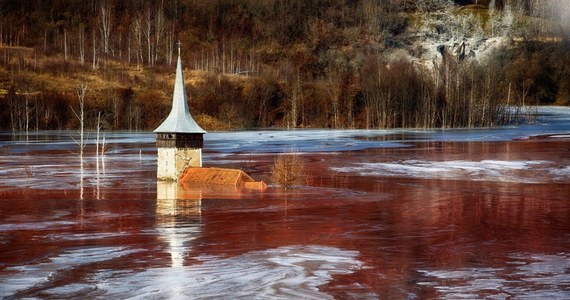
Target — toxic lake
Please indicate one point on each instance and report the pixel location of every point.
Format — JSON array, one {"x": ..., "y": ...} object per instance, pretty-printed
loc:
[{"x": 385, "y": 214}]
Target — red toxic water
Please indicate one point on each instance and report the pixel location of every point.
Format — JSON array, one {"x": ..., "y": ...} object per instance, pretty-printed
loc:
[{"x": 431, "y": 219}]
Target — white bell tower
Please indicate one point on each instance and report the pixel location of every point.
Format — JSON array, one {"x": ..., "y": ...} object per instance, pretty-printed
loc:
[{"x": 179, "y": 138}]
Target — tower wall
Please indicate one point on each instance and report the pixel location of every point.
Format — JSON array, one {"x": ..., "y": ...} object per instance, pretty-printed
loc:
[
  {"x": 176, "y": 152},
  {"x": 172, "y": 161}
]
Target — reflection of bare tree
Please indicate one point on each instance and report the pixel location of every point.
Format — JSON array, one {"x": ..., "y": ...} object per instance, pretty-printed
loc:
[
  {"x": 81, "y": 90},
  {"x": 99, "y": 154}
]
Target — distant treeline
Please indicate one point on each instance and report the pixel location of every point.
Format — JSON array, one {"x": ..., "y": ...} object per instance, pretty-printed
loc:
[{"x": 270, "y": 63}]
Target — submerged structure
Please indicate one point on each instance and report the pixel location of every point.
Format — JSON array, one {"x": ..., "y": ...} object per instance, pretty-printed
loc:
[
  {"x": 180, "y": 141},
  {"x": 179, "y": 138},
  {"x": 221, "y": 177}
]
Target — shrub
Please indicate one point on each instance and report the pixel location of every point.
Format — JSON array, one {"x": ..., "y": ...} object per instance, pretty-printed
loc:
[{"x": 288, "y": 170}]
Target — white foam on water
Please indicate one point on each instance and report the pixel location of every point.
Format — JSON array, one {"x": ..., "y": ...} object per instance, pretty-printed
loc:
[
  {"x": 293, "y": 272},
  {"x": 38, "y": 275},
  {"x": 484, "y": 170},
  {"x": 561, "y": 173},
  {"x": 85, "y": 236},
  {"x": 528, "y": 276},
  {"x": 51, "y": 225}
]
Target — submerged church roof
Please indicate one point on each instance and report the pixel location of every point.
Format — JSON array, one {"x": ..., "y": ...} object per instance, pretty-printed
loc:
[{"x": 179, "y": 120}]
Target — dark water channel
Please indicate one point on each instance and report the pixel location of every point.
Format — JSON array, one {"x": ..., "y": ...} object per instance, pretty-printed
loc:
[{"x": 415, "y": 218}]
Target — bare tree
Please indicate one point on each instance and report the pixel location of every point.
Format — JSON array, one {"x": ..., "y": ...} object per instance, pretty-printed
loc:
[
  {"x": 136, "y": 30},
  {"x": 65, "y": 43},
  {"x": 295, "y": 101},
  {"x": 169, "y": 45},
  {"x": 334, "y": 91},
  {"x": 105, "y": 26},
  {"x": 159, "y": 29},
  {"x": 289, "y": 170},
  {"x": 81, "y": 90},
  {"x": 81, "y": 41},
  {"x": 148, "y": 35},
  {"x": 94, "y": 66},
  {"x": 116, "y": 107}
]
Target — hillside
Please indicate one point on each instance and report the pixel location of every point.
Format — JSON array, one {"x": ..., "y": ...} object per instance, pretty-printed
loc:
[{"x": 282, "y": 63}]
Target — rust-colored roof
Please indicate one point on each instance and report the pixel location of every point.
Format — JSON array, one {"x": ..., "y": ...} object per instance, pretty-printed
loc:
[{"x": 218, "y": 176}]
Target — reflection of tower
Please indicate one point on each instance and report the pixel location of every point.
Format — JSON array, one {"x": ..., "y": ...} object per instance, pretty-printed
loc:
[
  {"x": 178, "y": 218},
  {"x": 179, "y": 137}
]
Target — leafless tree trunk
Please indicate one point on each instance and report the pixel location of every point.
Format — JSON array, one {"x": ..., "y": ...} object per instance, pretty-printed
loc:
[
  {"x": 94, "y": 50},
  {"x": 137, "y": 33},
  {"x": 27, "y": 112},
  {"x": 148, "y": 34},
  {"x": 334, "y": 94},
  {"x": 105, "y": 27},
  {"x": 64, "y": 43},
  {"x": 170, "y": 45},
  {"x": 294, "y": 101},
  {"x": 116, "y": 111},
  {"x": 81, "y": 40},
  {"x": 159, "y": 28},
  {"x": 81, "y": 90}
]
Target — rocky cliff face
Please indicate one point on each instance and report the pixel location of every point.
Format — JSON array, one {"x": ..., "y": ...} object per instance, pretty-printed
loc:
[{"x": 475, "y": 31}]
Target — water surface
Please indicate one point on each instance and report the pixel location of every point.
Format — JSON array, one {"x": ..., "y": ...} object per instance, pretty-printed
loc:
[{"x": 405, "y": 214}]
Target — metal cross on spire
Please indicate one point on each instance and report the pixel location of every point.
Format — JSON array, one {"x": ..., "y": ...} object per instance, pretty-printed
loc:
[{"x": 179, "y": 45}]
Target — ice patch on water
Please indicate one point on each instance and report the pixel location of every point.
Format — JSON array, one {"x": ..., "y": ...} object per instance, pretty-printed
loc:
[
  {"x": 38, "y": 277},
  {"x": 293, "y": 272},
  {"x": 85, "y": 236},
  {"x": 51, "y": 225},
  {"x": 561, "y": 173},
  {"x": 529, "y": 276},
  {"x": 484, "y": 170},
  {"x": 299, "y": 140}
]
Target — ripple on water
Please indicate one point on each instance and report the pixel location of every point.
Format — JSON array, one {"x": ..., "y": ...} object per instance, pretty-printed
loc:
[
  {"x": 533, "y": 171},
  {"x": 45, "y": 277},
  {"x": 529, "y": 276},
  {"x": 293, "y": 272}
]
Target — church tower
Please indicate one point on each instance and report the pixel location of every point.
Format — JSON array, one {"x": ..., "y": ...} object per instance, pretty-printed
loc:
[{"x": 179, "y": 138}]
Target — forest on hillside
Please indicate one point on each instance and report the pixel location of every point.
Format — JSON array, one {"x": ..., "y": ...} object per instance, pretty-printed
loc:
[{"x": 282, "y": 63}]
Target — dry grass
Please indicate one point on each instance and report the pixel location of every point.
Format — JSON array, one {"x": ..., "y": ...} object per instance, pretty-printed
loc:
[
  {"x": 210, "y": 123},
  {"x": 288, "y": 170}
]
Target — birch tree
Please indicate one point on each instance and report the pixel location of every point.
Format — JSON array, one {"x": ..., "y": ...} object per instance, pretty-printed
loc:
[
  {"x": 94, "y": 44},
  {"x": 136, "y": 30},
  {"x": 81, "y": 41},
  {"x": 105, "y": 26},
  {"x": 159, "y": 29},
  {"x": 81, "y": 90},
  {"x": 148, "y": 35},
  {"x": 65, "y": 43},
  {"x": 334, "y": 91}
]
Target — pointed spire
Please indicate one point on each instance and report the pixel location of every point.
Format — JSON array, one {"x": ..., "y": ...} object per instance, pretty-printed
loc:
[{"x": 179, "y": 119}]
